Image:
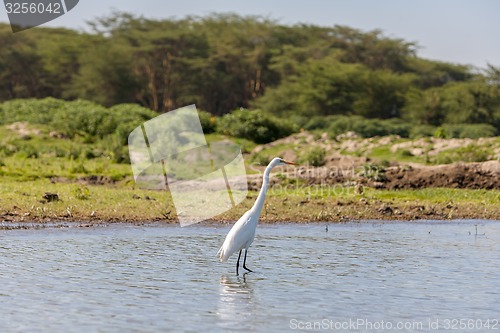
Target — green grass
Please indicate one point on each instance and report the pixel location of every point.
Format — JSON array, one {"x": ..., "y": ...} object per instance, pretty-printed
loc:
[
  {"x": 245, "y": 144},
  {"x": 469, "y": 153},
  {"x": 23, "y": 200},
  {"x": 37, "y": 163},
  {"x": 437, "y": 195},
  {"x": 22, "y": 168},
  {"x": 384, "y": 153}
]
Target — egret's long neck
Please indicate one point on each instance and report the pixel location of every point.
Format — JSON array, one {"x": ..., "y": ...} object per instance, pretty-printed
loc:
[{"x": 259, "y": 203}]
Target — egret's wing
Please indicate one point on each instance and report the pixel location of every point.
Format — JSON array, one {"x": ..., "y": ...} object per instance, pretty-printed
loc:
[{"x": 236, "y": 238}]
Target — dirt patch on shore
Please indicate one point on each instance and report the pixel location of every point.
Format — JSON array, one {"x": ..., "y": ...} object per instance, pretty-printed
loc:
[
  {"x": 485, "y": 175},
  {"x": 349, "y": 161},
  {"x": 478, "y": 175},
  {"x": 86, "y": 180}
]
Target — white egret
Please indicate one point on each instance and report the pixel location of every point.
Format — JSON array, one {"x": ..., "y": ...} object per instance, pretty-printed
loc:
[{"x": 242, "y": 233}]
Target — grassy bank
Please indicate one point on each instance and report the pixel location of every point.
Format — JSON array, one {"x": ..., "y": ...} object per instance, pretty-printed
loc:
[
  {"x": 23, "y": 201},
  {"x": 86, "y": 165}
]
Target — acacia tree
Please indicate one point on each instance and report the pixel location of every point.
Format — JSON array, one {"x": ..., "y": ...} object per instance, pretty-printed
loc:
[
  {"x": 240, "y": 49},
  {"x": 471, "y": 102},
  {"x": 154, "y": 61},
  {"x": 20, "y": 66},
  {"x": 223, "y": 62}
]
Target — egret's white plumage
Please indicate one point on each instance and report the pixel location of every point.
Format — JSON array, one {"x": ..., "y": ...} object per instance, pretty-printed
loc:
[{"x": 242, "y": 233}]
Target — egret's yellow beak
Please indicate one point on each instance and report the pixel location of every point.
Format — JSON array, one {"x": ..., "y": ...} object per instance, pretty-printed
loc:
[{"x": 291, "y": 163}]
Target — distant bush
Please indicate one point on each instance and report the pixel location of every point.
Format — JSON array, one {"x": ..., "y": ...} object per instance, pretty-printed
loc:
[
  {"x": 472, "y": 131},
  {"x": 373, "y": 172},
  {"x": 441, "y": 133},
  {"x": 261, "y": 158},
  {"x": 124, "y": 118},
  {"x": 254, "y": 125},
  {"x": 368, "y": 127},
  {"x": 469, "y": 153},
  {"x": 318, "y": 122},
  {"x": 76, "y": 118},
  {"x": 207, "y": 121},
  {"x": 419, "y": 131},
  {"x": 35, "y": 111},
  {"x": 314, "y": 157},
  {"x": 396, "y": 126},
  {"x": 89, "y": 121}
]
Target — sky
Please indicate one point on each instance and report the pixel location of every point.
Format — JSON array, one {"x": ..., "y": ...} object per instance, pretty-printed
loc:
[{"x": 458, "y": 31}]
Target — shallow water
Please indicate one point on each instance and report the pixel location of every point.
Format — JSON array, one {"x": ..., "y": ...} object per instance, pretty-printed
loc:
[{"x": 161, "y": 278}]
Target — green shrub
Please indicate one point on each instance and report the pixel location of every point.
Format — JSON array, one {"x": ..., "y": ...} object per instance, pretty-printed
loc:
[
  {"x": 419, "y": 131},
  {"x": 77, "y": 118},
  {"x": 261, "y": 158},
  {"x": 441, "y": 133},
  {"x": 119, "y": 152},
  {"x": 406, "y": 153},
  {"x": 81, "y": 192},
  {"x": 124, "y": 118},
  {"x": 318, "y": 123},
  {"x": 27, "y": 150},
  {"x": 34, "y": 111},
  {"x": 89, "y": 153},
  {"x": 368, "y": 127},
  {"x": 59, "y": 151},
  {"x": 469, "y": 153},
  {"x": 207, "y": 121},
  {"x": 396, "y": 126},
  {"x": 475, "y": 131},
  {"x": 254, "y": 125},
  {"x": 472, "y": 131},
  {"x": 74, "y": 152},
  {"x": 314, "y": 157},
  {"x": 373, "y": 172},
  {"x": 78, "y": 168}
]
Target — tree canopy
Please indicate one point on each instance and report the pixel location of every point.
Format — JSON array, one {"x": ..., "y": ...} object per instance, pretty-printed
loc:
[{"x": 224, "y": 62}]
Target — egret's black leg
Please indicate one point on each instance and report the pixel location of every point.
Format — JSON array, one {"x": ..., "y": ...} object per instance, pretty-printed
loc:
[
  {"x": 238, "y": 263},
  {"x": 245, "y": 262}
]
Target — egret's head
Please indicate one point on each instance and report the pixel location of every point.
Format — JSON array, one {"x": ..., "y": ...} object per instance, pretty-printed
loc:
[{"x": 279, "y": 161}]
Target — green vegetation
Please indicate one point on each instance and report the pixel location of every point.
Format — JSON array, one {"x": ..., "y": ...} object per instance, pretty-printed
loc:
[
  {"x": 255, "y": 126},
  {"x": 373, "y": 171},
  {"x": 314, "y": 157},
  {"x": 333, "y": 79},
  {"x": 21, "y": 201},
  {"x": 69, "y": 99},
  {"x": 367, "y": 128},
  {"x": 469, "y": 153}
]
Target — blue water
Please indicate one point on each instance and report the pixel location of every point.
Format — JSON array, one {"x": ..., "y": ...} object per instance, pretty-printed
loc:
[{"x": 124, "y": 278}]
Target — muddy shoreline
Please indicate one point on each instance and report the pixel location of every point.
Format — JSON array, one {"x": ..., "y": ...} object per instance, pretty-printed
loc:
[{"x": 290, "y": 210}]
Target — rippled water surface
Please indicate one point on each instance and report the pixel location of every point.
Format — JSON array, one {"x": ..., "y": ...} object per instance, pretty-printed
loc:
[{"x": 161, "y": 278}]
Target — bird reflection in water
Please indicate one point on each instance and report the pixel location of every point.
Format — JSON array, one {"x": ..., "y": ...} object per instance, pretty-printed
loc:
[{"x": 236, "y": 301}]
